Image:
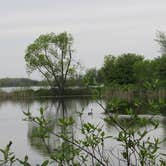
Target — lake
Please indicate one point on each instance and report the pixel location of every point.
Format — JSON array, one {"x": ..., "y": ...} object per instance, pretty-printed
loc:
[{"x": 12, "y": 126}]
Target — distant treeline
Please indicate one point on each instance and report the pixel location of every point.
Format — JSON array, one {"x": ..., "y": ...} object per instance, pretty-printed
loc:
[
  {"x": 25, "y": 82},
  {"x": 126, "y": 69},
  {"x": 19, "y": 82}
]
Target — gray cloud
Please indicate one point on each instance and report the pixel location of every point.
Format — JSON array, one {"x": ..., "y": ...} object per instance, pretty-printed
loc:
[{"x": 99, "y": 28}]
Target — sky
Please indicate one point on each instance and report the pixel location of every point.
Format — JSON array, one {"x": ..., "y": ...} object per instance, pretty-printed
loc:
[{"x": 99, "y": 28}]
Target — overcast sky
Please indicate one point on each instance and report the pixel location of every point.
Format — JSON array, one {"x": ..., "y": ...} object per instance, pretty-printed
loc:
[{"x": 99, "y": 27}]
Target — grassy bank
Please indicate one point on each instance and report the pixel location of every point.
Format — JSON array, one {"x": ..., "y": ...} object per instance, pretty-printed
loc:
[
  {"x": 129, "y": 99},
  {"x": 130, "y": 92},
  {"x": 127, "y": 93}
]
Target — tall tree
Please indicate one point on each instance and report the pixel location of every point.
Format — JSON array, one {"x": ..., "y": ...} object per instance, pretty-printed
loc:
[
  {"x": 120, "y": 69},
  {"x": 145, "y": 71},
  {"x": 161, "y": 67},
  {"x": 161, "y": 61},
  {"x": 161, "y": 39},
  {"x": 51, "y": 55},
  {"x": 90, "y": 78}
]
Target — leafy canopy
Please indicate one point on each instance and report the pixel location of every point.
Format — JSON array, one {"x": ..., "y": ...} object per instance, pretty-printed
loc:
[{"x": 51, "y": 55}]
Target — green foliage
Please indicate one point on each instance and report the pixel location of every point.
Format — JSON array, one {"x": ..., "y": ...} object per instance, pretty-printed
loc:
[
  {"x": 43, "y": 130},
  {"x": 94, "y": 136},
  {"x": 120, "y": 69},
  {"x": 157, "y": 106},
  {"x": 24, "y": 161},
  {"x": 90, "y": 77},
  {"x": 133, "y": 69},
  {"x": 137, "y": 148},
  {"x": 124, "y": 106},
  {"x": 51, "y": 55},
  {"x": 66, "y": 122},
  {"x": 71, "y": 151},
  {"x": 161, "y": 67},
  {"x": 144, "y": 71},
  {"x": 93, "y": 77},
  {"x": 151, "y": 85},
  {"x": 161, "y": 39},
  {"x": 76, "y": 81},
  {"x": 139, "y": 106},
  {"x": 8, "y": 157}
]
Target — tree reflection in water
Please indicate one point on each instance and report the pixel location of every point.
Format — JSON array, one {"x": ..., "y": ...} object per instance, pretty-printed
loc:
[
  {"x": 55, "y": 110},
  {"x": 62, "y": 109}
]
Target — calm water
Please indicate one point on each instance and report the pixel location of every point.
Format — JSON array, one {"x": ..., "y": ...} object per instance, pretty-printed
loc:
[{"x": 12, "y": 126}]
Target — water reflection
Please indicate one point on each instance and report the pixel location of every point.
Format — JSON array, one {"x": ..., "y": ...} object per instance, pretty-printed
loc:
[
  {"x": 13, "y": 128},
  {"x": 65, "y": 108},
  {"x": 163, "y": 127},
  {"x": 55, "y": 110},
  {"x": 142, "y": 123}
]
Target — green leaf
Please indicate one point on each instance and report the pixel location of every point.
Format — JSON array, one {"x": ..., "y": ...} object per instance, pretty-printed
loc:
[{"x": 45, "y": 163}]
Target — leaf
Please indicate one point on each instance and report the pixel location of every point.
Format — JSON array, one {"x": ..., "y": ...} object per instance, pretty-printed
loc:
[
  {"x": 26, "y": 158},
  {"x": 45, "y": 163},
  {"x": 163, "y": 154}
]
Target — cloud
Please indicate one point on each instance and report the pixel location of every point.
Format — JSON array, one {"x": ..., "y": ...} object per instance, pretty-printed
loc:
[{"x": 99, "y": 27}]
